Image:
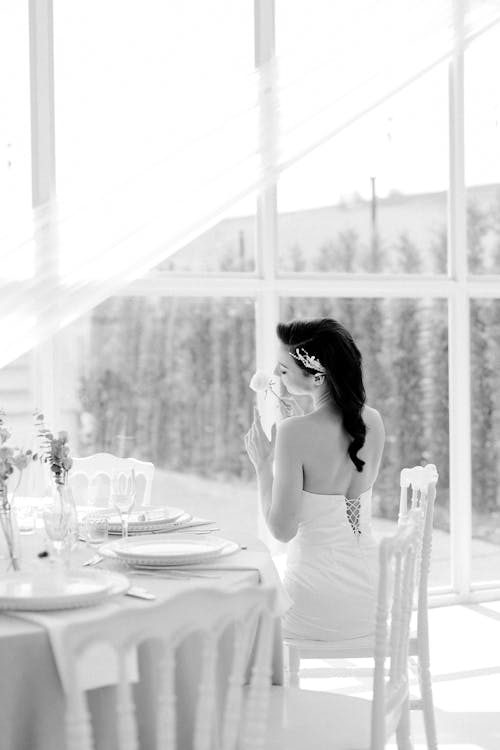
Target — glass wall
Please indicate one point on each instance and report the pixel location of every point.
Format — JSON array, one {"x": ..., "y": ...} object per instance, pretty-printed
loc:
[
  {"x": 129, "y": 89},
  {"x": 163, "y": 370},
  {"x": 485, "y": 439},
  {"x": 15, "y": 138},
  {"x": 165, "y": 379},
  {"x": 373, "y": 199},
  {"x": 228, "y": 246},
  {"x": 482, "y": 153}
]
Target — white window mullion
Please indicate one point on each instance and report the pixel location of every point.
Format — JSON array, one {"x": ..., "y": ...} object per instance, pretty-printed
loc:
[
  {"x": 459, "y": 330},
  {"x": 266, "y": 300},
  {"x": 43, "y": 181}
]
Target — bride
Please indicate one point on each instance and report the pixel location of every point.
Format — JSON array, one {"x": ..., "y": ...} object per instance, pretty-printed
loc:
[{"x": 319, "y": 498}]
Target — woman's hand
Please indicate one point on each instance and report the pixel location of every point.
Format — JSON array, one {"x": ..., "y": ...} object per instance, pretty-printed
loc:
[{"x": 259, "y": 448}]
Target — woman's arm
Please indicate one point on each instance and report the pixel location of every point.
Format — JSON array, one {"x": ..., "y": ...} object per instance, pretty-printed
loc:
[
  {"x": 280, "y": 495},
  {"x": 288, "y": 480}
]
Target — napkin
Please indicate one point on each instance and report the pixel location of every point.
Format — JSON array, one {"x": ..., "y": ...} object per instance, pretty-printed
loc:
[{"x": 97, "y": 666}]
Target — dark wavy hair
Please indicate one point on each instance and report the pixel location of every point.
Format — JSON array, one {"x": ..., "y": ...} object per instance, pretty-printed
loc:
[{"x": 333, "y": 345}]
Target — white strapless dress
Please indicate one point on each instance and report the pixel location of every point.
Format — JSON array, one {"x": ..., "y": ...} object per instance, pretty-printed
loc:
[{"x": 331, "y": 573}]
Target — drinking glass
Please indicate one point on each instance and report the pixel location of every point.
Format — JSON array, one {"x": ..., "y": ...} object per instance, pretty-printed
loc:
[
  {"x": 96, "y": 527},
  {"x": 26, "y": 519},
  {"x": 58, "y": 522},
  {"x": 123, "y": 496}
]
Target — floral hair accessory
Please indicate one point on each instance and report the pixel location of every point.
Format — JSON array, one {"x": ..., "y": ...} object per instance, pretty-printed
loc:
[{"x": 308, "y": 361}]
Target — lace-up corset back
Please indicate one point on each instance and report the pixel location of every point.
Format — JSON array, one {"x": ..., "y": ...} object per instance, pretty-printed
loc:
[{"x": 320, "y": 514}]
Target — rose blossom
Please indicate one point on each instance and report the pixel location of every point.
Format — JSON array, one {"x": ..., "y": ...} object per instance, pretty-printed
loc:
[{"x": 260, "y": 381}]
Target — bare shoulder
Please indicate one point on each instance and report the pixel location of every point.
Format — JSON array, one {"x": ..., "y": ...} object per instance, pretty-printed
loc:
[
  {"x": 293, "y": 431},
  {"x": 373, "y": 421},
  {"x": 291, "y": 426}
]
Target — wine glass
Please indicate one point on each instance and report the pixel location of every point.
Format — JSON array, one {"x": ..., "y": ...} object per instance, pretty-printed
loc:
[
  {"x": 123, "y": 496},
  {"x": 58, "y": 523}
]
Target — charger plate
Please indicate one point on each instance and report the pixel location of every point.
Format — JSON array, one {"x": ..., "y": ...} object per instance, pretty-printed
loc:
[
  {"x": 40, "y": 591},
  {"x": 181, "y": 549}
]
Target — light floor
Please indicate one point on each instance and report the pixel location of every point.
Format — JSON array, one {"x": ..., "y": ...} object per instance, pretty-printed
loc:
[{"x": 465, "y": 656}]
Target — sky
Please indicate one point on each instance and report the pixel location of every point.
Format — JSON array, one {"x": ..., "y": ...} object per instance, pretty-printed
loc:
[{"x": 120, "y": 97}]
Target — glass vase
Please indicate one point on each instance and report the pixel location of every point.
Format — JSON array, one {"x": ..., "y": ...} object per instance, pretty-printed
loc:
[
  {"x": 10, "y": 543},
  {"x": 61, "y": 522}
]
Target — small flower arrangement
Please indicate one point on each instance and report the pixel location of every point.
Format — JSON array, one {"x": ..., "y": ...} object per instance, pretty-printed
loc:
[
  {"x": 54, "y": 450},
  {"x": 262, "y": 381},
  {"x": 10, "y": 458}
]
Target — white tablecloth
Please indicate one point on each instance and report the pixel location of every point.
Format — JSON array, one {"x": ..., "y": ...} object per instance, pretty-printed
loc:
[{"x": 32, "y": 703}]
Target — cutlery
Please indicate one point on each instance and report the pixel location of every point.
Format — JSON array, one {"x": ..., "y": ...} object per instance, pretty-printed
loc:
[
  {"x": 94, "y": 560},
  {"x": 140, "y": 593}
]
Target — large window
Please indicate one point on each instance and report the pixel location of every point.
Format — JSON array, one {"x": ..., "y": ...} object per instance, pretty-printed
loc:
[
  {"x": 373, "y": 199},
  {"x": 482, "y": 162},
  {"x": 166, "y": 379},
  {"x": 390, "y": 223},
  {"x": 15, "y": 146}
]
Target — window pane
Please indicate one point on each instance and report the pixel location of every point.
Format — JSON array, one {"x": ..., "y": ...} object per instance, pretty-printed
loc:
[
  {"x": 15, "y": 145},
  {"x": 482, "y": 152},
  {"x": 404, "y": 345},
  {"x": 485, "y": 383},
  {"x": 172, "y": 388},
  {"x": 135, "y": 80},
  {"x": 227, "y": 246},
  {"x": 373, "y": 199},
  {"x": 18, "y": 398}
]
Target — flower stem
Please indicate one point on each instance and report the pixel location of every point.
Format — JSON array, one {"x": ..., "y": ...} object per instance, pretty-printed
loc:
[{"x": 269, "y": 388}]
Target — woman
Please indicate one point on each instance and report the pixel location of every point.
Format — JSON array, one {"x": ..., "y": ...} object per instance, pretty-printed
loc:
[{"x": 325, "y": 464}]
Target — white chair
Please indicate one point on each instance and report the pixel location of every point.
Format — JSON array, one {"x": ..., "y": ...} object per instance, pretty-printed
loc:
[
  {"x": 325, "y": 721},
  {"x": 421, "y": 481},
  {"x": 90, "y": 477},
  {"x": 208, "y": 613}
]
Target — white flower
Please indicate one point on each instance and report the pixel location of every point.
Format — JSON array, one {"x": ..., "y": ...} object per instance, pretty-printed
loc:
[{"x": 260, "y": 381}]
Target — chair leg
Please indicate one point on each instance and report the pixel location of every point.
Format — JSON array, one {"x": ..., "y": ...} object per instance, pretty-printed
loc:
[
  {"x": 403, "y": 730},
  {"x": 425, "y": 682},
  {"x": 292, "y": 666}
]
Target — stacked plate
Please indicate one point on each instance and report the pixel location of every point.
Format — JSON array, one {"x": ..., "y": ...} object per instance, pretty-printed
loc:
[
  {"x": 180, "y": 549},
  {"x": 143, "y": 520},
  {"x": 146, "y": 520},
  {"x": 38, "y": 591}
]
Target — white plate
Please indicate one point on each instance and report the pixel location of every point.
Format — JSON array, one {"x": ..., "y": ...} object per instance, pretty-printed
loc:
[
  {"x": 170, "y": 550},
  {"x": 222, "y": 547},
  {"x": 140, "y": 520},
  {"x": 40, "y": 591},
  {"x": 229, "y": 549}
]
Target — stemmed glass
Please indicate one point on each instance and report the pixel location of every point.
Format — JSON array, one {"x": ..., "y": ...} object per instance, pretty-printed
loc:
[
  {"x": 123, "y": 497},
  {"x": 58, "y": 524}
]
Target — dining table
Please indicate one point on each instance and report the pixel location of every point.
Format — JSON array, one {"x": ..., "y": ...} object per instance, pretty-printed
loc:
[{"x": 32, "y": 682}]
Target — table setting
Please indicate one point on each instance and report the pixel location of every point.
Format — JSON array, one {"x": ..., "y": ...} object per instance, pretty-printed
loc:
[{"x": 67, "y": 566}]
